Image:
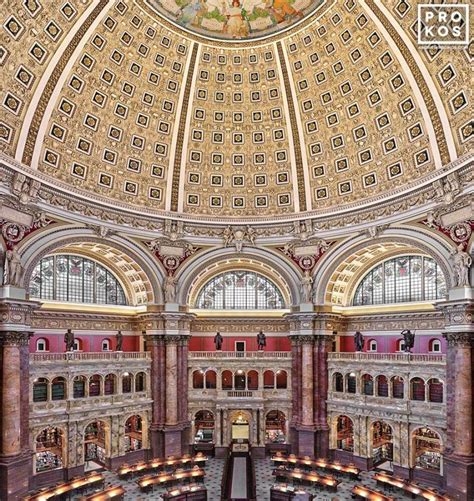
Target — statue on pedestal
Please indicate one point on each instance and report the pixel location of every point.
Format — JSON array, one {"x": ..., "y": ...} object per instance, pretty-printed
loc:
[
  {"x": 408, "y": 339},
  {"x": 119, "y": 339},
  {"x": 261, "y": 341},
  {"x": 218, "y": 339},
  {"x": 359, "y": 341},
  {"x": 69, "y": 340}
]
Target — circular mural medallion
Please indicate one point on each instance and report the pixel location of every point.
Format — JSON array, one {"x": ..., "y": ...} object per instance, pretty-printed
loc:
[{"x": 236, "y": 19}]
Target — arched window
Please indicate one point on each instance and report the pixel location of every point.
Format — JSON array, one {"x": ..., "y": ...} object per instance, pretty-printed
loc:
[
  {"x": 239, "y": 380},
  {"x": 204, "y": 426},
  {"x": 77, "y": 345},
  {"x": 372, "y": 346},
  {"x": 105, "y": 344},
  {"x": 198, "y": 379},
  {"x": 227, "y": 380},
  {"x": 338, "y": 382},
  {"x": 281, "y": 380},
  {"x": 398, "y": 390},
  {"x": 275, "y": 427},
  {"x": 127, "y": 381},
  {"x": 252, "y": 380},
  {"x": 58, "y": 389},
  {"x": 240, "y": 290},
  {"x": 95, "y": 382},
  {"x": 211, "y": 380},
  {"x": 435, "y": 390},
  {"x": 367, "y": 384},
  {"x": 400, "y": 280},
  {"x": 435, "y": 346},
  {"x": 268, "y": 380},
  {"x": 417, "y": 389},
  {"x": 400, "y": 345},
  {"x": 75, "y": 279},
  {"x": 40, "y": 390},
  {"x": 109, "y": 384},
  {"x": 79, "y": 387},
  {"x": 351, "y": 383},
  {"x": 382, "y": 386},
  {"x": 140, "y": 382},
  {"x": 42, "y": 345}
]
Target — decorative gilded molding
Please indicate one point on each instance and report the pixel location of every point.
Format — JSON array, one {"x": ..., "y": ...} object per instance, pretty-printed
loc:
[
  {"x": 420, "y": 80},
  {"x": 56, "y": 74}
]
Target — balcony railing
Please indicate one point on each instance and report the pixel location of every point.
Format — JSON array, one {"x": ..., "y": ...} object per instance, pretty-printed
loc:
[
  {"x": 240, "y": 354},
  {"x": 387, "y": 357},
  {"x": 75, "y": 356}
]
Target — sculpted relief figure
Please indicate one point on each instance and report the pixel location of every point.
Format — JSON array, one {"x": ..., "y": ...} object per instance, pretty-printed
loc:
[
  {"x": 461, "y": 262},
  {"x": 12, "y": 268},
  {"x": 306, "y": 287},
  {"x": 170, "y": 289}
]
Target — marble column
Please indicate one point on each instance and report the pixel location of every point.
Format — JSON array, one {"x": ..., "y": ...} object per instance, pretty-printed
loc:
[
  {"x": 324, "y": 343},
  {"x": 458, "y": 454},
  {"x": 171, "y": 381},
  {"x": 307, "y": 381},
  {"x": 15, "y": 452}
]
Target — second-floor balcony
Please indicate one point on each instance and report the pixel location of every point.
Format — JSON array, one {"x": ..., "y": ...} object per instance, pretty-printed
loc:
[
  {"x": 231, "y": 355},
  {"x": 87, "y": 357}
]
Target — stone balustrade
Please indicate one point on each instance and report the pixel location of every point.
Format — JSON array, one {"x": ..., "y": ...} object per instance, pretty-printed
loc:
[
  {"x": 78, "y": 357},
  {"x": 198, "y": 355},
  {"x": 400, "y": 358}
]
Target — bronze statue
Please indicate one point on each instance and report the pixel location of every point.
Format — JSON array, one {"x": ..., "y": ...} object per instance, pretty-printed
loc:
[
  {"x": 408, "y": 339},
  {"x": 218, "y": 339},
  {"x": 359, "y": 341},
  {"x": 119, "y": 339},
  {"x": 69, "y": 340},
  {"x": 261, "y": 341}
]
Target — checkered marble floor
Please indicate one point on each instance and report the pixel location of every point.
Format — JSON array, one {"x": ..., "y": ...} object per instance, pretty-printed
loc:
[{"x": 264, "y": 480}]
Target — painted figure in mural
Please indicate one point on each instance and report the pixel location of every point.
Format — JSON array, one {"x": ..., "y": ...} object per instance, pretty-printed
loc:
[
  {"x": 218, "y": 339},
  {"x": 119, "y": 341},
  {"x": 283, "y": 10},
  {"x": 236, "y": 25},
  {"x": 192, "y": 13},
  {"x": 359, "y": 341},
  {"x": 461, "y": 261},
  {"x": 408, "y": 339},
  {"x": 261, "y": 341},
  {"x": 69, "y": 340}
]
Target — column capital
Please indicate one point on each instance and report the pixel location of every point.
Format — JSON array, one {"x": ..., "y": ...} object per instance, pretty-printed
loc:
[
  {"x": 458, "y": 315},
  {"x": 15, "y": 338},
  {"x": 459, "y": 339},
  {"x": 15, "y": 314}
]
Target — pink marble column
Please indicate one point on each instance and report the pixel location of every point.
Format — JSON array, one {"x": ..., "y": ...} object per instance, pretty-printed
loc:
[
  {"x": 171, "y": 381},
  {"x": 11, "y": 396},
  {"x": 296, "y": 379},
  {"x": 307, "y": 381},
  {"x": 316, "y": 382},
  {"x": 183, "y": 389}
]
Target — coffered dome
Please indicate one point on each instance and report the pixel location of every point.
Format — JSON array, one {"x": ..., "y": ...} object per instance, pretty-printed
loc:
[{"x": 248, "y": 109}]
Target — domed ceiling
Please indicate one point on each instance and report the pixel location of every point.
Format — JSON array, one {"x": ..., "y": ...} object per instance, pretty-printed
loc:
[{"x": 293, "y": 107}]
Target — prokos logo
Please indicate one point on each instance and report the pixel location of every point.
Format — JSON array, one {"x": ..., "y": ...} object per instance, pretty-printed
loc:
[{"x": 443, "y": 24}]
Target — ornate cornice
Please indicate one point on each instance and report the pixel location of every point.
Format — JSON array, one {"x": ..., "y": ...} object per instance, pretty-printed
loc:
[{"x": 63, "y": 199}]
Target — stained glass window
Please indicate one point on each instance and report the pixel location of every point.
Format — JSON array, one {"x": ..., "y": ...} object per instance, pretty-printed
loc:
[
  {"x": 400, "y": 280},
  {"x": 75, "y": 279},
  {"x": 240, "y": 290}
]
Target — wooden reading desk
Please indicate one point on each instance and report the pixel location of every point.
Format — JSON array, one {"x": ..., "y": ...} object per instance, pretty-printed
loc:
[
  {"x": 129, "y": 470},
  {"x": 148, "y": 482},
  {"x": 351, "y": 471},
  {"x": 111, "y": 494},
  {"x": 65, "y": 489},
  {"x": 191, "y": 492},
  {"x": 286, "y": 492},
  {"x": 362, "y": 492},
  {"x": 311, "y": 477},
  {"x": 410, "y": 488}
]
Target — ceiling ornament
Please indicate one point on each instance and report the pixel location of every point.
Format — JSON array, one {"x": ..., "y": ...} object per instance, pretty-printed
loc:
[
  {"x": 306, "y": 254},
  {"x": 171, "y": 250},
  {"x": 237, "y": 237}
]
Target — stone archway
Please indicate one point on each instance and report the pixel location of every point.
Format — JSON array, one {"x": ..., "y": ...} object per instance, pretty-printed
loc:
[{"x": 240, "y": 425}]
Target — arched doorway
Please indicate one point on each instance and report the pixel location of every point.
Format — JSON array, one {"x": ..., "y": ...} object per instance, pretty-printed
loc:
[
  {"x": 49, "y": 454},
  {"x": 275, "y": 427},
  {"x": 345, "y": 434},
  {"x": 133, "y": 434},
  {"x": 204, "y": 424},
  {"x": 382, "y": 444},
  {"x": 427, "y": 450},
  {"x": 240, "y": 425},
  {"x": 95, "y": 445}
]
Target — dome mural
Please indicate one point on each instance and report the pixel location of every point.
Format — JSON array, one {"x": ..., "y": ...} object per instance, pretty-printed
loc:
[{"x": 236, "y": 19}]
